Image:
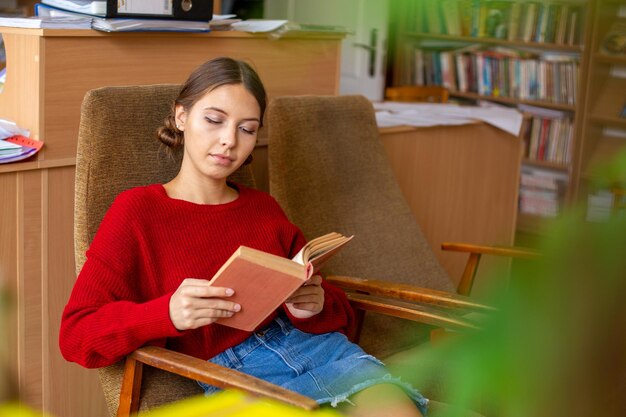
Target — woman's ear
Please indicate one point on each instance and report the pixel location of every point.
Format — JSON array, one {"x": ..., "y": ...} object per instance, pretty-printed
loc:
[{"x": 180, "y": 117}]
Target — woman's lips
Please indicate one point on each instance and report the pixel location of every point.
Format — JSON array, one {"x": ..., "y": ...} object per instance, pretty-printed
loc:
[{"x": 222, "y": 159}]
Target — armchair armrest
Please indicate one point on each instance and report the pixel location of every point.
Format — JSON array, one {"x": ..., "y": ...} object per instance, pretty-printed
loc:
[
  {"x": 408, "y": 293},
  {"x": 198, "y": 369},
  {"x": 423, "y": 305},
  {"x": 476, "y": 251},
  {"x": 513, "y": 252}
]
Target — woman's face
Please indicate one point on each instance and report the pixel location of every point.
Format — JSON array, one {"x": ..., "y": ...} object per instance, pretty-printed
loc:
[{"x": 220, "y": 131}]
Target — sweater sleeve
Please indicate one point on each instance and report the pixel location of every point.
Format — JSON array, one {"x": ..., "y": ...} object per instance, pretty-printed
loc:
[
  {"x": 98, "y": 329},
  {"x": 106, "y": 316},
  {"x": 336, "y": 315}
]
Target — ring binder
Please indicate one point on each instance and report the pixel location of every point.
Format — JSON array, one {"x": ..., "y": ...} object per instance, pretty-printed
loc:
[
  {"x": 172, "y": 9},
  {"x": 201, "y": 10}
]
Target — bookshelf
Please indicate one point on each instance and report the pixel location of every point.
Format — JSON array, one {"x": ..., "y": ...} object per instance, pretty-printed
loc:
[
  {"x": 515, "y": 53},
  {"x": 603, "y": 131}
]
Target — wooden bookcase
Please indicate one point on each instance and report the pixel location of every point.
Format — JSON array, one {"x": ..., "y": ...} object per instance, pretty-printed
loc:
[
  {"x": 606, "y": 99},
  {"x": 558, "y": 51}
]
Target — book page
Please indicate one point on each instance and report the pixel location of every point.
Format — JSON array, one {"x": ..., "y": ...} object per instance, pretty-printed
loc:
[{"x": 317, "y": 251}]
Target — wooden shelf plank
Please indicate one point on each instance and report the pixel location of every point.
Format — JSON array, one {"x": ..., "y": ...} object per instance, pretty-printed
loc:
[
  {"x": 607, "y": 120},
  {"x": 545, "y": 164},
  {"x": 509, "y": 100},
  {"x": 600, "y": 57},
  {"x": 494, "y": 41}
]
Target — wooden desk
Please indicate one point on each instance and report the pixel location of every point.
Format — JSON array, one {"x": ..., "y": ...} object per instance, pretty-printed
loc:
[{"x": 48, "y": 73}]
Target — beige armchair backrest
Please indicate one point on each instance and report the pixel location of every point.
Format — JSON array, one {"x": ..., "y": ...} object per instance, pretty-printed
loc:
[
  {"x": 117, "y": 150},
  {"x": 329, "y": 171}
]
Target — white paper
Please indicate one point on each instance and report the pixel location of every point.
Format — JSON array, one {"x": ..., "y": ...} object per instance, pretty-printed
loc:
[
  {"x": 93, "y": 7},
  {"x": 258, "y": 25},
  {"x": 8, "y": 129},
  {"x": 391, "y": 113}
]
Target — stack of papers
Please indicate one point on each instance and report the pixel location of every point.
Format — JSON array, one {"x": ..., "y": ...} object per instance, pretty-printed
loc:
[
  {"x": 258, "y": 25},
  {"x": 47, "y": 22},
  {"x": 282, "y": 27},
  {"x": 92, "y": 7},
  {"x": 391, "y": 113},
  {"x": 15, "y": 144},
  {"x": 125, "y": 25},
  {"x": 17, "y": 148}
]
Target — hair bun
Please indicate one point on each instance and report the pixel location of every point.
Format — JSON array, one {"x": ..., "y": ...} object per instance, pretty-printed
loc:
[{"x": 169, "y": 135}]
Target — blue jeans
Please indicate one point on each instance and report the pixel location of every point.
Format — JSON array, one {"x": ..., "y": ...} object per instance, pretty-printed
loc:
[{"x": 326, "y": 367}]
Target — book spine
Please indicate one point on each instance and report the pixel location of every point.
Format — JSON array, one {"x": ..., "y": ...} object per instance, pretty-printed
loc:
[{"x": 514, "y": 19}]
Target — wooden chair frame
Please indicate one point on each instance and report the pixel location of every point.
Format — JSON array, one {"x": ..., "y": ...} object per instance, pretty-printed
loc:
[
  {"x": 417, "y": 304},
  {"x": 437, "y": 308}
]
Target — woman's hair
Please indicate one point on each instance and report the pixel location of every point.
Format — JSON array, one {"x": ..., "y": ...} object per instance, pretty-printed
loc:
[{"x": 207, "y": 77}]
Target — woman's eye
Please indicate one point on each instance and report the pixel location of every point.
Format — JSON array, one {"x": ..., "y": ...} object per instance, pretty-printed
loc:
[
  {"x": 213, "y": 121},
  {"x": 248, "y": 131}
]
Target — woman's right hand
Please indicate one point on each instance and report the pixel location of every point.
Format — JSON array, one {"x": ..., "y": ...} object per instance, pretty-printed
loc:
[{"x": 195, "y": 304}]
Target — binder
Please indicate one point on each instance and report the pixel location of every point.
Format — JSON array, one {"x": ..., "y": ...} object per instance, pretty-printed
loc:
[
  {"x": 125, "y": 24},
  {"x": 157, "y": 9}
]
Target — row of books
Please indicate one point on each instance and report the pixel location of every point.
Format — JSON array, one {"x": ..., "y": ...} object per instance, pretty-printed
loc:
[
  {"x": 601, "y": 205},
  {"x": 558, "y": 22},
  {"x": 497, "y": 72},
  {"x": 550, "y": 140},
  {"x": 541, "y": 191}
]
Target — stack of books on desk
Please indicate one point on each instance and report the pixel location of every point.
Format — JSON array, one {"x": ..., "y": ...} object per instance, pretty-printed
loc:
[{"x": 150, "y": 16}]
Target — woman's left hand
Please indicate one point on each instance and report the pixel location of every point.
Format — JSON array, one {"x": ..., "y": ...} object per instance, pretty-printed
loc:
[{"x": 308, "y": 300}]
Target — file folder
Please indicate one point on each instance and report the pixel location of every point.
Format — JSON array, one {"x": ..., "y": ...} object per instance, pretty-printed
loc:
[
  {"x": 156, "y": 9},
  {"x": 162, "y": 9}
]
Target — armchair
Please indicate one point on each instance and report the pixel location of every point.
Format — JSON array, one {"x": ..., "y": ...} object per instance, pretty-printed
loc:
[
  {"x": 329, "y": 171},
  {"x": 116, "y": 151}
]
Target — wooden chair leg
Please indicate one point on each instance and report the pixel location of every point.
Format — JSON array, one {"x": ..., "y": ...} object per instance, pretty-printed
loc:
[
  {"x": 131, "y": 388},
  {"x": 467, "y": 280}
]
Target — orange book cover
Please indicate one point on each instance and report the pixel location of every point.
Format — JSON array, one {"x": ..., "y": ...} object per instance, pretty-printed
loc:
[{"x": 263, "y": 281}]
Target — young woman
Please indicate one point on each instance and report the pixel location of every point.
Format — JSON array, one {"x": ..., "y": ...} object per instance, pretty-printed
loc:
[{"x": 145, "y": 280}]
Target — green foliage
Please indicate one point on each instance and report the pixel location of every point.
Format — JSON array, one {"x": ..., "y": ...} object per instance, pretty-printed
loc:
[{"x": 557, "y": 346}]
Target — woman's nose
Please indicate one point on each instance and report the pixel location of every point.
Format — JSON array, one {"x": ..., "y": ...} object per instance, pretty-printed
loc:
[{"x": 229, "y": 137}]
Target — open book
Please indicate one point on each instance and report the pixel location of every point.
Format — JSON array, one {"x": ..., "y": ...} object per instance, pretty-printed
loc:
[{"x": 263, "y": 281}]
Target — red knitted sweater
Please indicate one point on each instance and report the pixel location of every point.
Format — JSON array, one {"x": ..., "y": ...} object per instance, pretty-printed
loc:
[{"x": 147, "y": 244}]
